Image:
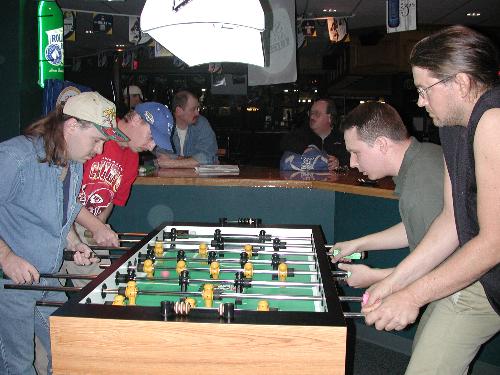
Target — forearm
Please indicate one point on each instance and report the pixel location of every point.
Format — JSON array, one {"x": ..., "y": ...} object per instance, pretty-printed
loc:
[
  {"x": 439, "y": 242},
  {"x": 4, "y": 251},
  {"x": 178, "y": 163},
  {"x": 89, "y": 221},
  {"x": 104, "y": 215},
  {"x": 463, "y": 268},
  {"x": 72, "y": 239},
  {"x": 388, "y": 239}
]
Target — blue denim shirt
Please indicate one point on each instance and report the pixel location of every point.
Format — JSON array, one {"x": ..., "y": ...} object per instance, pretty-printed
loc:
[
  {"x": 200, "y": 143},
  {"x": 31, "y": 203}
]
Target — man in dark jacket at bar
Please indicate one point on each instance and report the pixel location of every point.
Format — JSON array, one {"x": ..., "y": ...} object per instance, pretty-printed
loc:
[{"x": 321, "y": 132}]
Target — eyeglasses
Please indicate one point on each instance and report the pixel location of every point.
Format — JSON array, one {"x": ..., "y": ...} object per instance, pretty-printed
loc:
[{"x": 423, "y": 92}]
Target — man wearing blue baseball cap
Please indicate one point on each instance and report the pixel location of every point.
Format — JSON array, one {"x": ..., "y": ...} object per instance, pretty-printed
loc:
[{"x": 108, "y": 177}]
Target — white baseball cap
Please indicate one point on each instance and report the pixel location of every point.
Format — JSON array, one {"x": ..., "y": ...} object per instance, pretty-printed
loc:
[
  {"x": 132, "y": 90},
  {"x": 93, "y": 107}
]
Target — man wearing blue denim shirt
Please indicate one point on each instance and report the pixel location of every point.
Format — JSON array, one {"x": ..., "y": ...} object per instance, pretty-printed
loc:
[
  {"x": 41, "y": 177},
  {"x": 194, "y": 140}
]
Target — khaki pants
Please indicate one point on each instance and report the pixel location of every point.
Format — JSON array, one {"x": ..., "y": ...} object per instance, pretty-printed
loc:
[
  {"x": 451, "y": 332},
  {"x": 71, "y": 268},
  {"x": 41, "y": 360}
]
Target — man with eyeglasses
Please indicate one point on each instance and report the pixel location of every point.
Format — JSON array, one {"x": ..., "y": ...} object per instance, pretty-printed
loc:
[
  {"x": 321, "y": 132},
  {"x": 193, "y": 139},
  {"x": 455, "y": 72}
]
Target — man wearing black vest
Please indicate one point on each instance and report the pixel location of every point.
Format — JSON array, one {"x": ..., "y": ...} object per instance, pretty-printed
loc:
[{"x": 455, "y": 72}]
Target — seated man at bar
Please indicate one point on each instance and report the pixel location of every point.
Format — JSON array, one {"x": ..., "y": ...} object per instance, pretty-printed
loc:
[
  {"x": 380, "y": 146},
  {"x": 132, "y": 96},
  {"x": 193, "y": 139},
  {"x": 321, "y": 132}
]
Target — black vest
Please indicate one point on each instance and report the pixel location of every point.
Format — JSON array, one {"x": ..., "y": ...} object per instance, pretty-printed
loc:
[{"x": 458, "y": 149}]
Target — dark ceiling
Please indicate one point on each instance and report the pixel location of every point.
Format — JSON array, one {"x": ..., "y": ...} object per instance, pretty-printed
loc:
[{"x": 361, "y": 14}]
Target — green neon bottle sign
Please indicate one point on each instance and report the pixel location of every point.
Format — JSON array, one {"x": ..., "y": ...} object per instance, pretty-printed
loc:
[{"x": 50, "y": 42}]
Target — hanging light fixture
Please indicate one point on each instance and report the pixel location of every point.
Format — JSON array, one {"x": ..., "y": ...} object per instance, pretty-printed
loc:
[{"x": 201, "y": 31}]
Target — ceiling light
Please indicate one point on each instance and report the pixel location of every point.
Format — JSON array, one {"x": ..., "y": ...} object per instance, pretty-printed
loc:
[
  {"x": 473, "y": 14},
  {"x": 202, "y": 31}
]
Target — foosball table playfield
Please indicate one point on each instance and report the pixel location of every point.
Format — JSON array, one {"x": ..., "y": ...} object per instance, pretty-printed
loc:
[{"x": 207, "y": 298}]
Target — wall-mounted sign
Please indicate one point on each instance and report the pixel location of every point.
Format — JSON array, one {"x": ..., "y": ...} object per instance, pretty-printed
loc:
[
  {"x": 103, "y": 23},
  {"x": 50, "y": 42},
  {"x": 69, "y": 25}
]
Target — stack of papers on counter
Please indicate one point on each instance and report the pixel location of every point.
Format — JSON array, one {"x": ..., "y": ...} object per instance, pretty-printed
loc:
[{"x": 216, "y": 169}]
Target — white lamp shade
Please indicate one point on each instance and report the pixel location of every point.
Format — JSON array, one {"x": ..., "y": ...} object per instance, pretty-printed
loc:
[{"x": 204, "y": 31}]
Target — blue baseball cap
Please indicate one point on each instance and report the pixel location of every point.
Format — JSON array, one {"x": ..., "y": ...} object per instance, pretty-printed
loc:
[{"x": 160, "y": 119}]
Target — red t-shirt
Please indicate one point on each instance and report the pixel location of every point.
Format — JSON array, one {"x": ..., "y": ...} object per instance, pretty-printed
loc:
[{"x": 108, "y": 177}]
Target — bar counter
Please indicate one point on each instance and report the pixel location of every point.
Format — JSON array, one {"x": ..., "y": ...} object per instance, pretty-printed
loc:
[
  {"x": 338, "y": 202},
  {"x": 254, "y": 177}
]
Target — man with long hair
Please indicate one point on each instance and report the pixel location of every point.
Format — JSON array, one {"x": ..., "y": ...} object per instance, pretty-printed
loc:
[
  {"x": 41, "y": 177},
  {"x": 455, "y": 71}
]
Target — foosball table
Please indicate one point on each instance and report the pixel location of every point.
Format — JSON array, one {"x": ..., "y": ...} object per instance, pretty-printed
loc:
[{"x": 207, "y": 298}]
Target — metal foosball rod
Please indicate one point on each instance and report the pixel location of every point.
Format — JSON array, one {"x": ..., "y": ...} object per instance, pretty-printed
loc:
[
  {"x": 143, "y": 257},
  {"x": 117, "y": 248},
  {"x": 69, "y": 255},
  {"x": 234, "y": 270},
  {"x": 222, "y": 295},
  {"x": 262, "y": 236},
  {"x": 128, "y": 234},
  {"x": 228, "y": 237},
  {"x": 57, "y": 276},
  {"x": 347, "y": 315},
  {"x": 43, "y": 287},
  {"x": 337, "y": 274},
  {"x": 124, "y": 278},
  {"x": 214, "y": 243},
  {"x": 237, "y": 250},
  {"x": 50, "y": 303}
]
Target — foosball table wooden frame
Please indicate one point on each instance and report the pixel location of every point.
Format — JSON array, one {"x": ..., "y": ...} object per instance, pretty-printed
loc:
[{"x": 106, "y": 339}]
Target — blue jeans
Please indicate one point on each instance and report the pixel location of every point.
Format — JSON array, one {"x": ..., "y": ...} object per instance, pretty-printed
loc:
[{"x": 20, "y": 320}]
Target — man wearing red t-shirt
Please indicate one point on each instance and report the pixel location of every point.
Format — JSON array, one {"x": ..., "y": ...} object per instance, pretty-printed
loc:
[{"x": 108, "y": 177}]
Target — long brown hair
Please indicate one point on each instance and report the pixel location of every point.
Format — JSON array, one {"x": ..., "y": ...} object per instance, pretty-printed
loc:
[
  {"x": 458, "y": 49},
  {"x": 51, "y": 129}
]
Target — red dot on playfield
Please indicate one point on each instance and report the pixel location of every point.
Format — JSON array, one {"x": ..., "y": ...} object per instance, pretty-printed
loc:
[{"x": 165, "y": 274}]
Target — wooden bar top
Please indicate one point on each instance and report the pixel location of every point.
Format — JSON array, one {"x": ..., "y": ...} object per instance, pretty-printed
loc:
[{"x": 256, "y": 177}]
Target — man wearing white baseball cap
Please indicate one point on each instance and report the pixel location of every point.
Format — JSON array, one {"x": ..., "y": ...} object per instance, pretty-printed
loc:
[
  {"x": 132, "y": 96},
  {"x": 41, "y": 177},
  {"x": 108, "y": 177}
]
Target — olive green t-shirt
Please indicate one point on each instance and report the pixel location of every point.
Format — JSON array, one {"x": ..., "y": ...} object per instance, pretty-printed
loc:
[{"x": 419, "y": 186}]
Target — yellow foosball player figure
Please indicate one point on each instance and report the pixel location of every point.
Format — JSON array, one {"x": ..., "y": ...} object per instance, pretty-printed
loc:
[
  {"x": 119, "y": 300},
  {"x": 149, "y": 268},
  {"x": 208, "y": 294},
  {"x": 131, "y": 292},
  {"x": 263, "y": 305},
  {"x": 158, "y": 248},
  {"x": 214, "y": 270}
]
